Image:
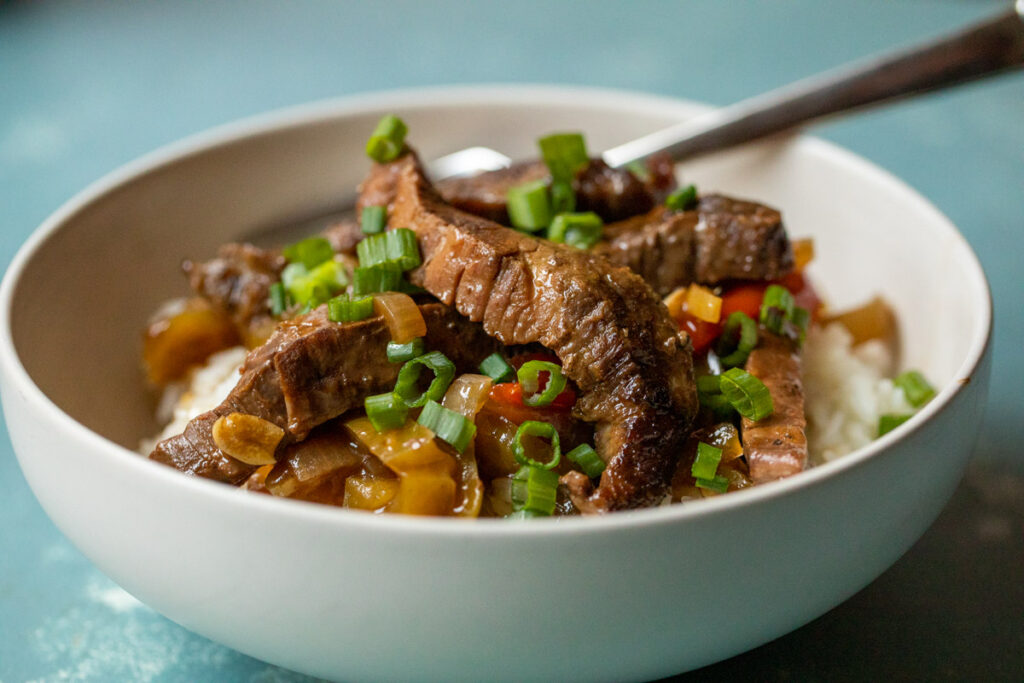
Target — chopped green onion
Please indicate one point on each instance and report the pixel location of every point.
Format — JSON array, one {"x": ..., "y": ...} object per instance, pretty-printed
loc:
[
  {"x": 278, "y": 298},
  {"x": 372, "y": 219},
  {"x": 718, "y": 404},
  {"x": 386, "y": 411},
  {"x": 798, "y": 323},
  {"x": 409, "y": 375},
  {"x": 400, "y": 353},
  {"x": 395, "y": 246},
  {"x": 682, "y": 199},
  {"x": 344, "y": 309},
  {"x": 889, "y": 422},
  {"x": 588, "y": 460},
  {"x": 403, "y": 248},
  {"x": 564, "y": 154},
  {"x": 310, "y": 252},
  {"x": 383, "y": 277},
  {"x": 747, "y": 394},
  {"x": 539, "y": 429},
  {"x": 313, "y": 287},
  {"x": 529, "y": 207},
  {"x": 563, "y": 197},
  {"x": 580, "y": 230},
  {"x": 718, "y": 484},
  {"x": 915, "y": 387},
  {"x": 776, "y": 308},
  {"x": 529, "y": 376},
  {"x": 292, "y": 273},
  {"x": 534, "y": 492},
  {"x": 738, "y": 339},
  {"x": 706, "y": 462},
  {"x": 497, "y": 368},
  {"x": 387, "y": 140},
  {"x": 448, "y": 425},
  {"x": 709, "y": 384}
]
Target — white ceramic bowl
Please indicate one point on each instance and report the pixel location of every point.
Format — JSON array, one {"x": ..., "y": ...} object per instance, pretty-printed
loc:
[{"x": 347, "y": 595}]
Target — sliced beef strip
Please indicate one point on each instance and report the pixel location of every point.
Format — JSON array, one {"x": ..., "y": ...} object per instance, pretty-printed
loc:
[
  {"x": 776, "y": 447},
  {"x": 238, "y": 280},
  {"x": 722, "y": 239},
  {"x": 612, "y": 193},
  {"x": 612, "y": 334},
  {"x": 310, "y": 371}
]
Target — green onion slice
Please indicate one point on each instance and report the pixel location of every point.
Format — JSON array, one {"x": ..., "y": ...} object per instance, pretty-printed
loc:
[
  {"x": 448, "y": 425},
  {"x": 529, "y": 377},
  {"x": 310, "y": 252},
  {"x": 563, "y": 197},
  {"x": 497, "y": 368},
  {"x": 409, "y": 375},
  {"x": 387, "y": 140},
  {"x": 889, "y": 422},
  {"x": 540, "y": 429},
  {"x": 915, "y": 387},
  {"x": 345, "y": 309},
  {"x": 588, "y": 460},
  {"x": 313, "y": 287},
  {"x": 565, "y": 154},
  {"x": 529, "y": 207},
  {"x": 386, "y": 411},
  {"x": 747, "y": 394},
  {"x": 738, "y": 339},
  {"x": 534, "y": 492},
  {"x": 395, "y": 246},
  {"x": 383, "y": 277},
  {"x": 706, "y": 462},
  {"x": 682, "y": 199},
  {"x": 278, "y": 298},
  {"x": 719, "y": 484},
  {"x": 400, "y": 353},
  {"x": 580, "y": 230},
  {"x": 776, "y": 308},
  {"x": 709, "y": 384},
  {"x": 372, "y": 219}
]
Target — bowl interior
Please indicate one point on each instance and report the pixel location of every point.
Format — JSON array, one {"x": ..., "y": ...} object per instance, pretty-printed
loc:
[{"x": 100, "y": 267}]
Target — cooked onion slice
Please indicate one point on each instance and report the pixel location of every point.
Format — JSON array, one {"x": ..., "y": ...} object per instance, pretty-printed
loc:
[
  {"x": 873, "y": 320},
  {"x": 401, "y": 314},
  {"x": 466, "y": 395},
  {"x": 803, "y": 253},
  {"x": 248, "y": 438}
]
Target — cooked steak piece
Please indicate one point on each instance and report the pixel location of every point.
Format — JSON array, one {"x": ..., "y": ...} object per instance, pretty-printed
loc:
[
  {"x": 238, "y": 280},
  {"x": 310, "y": 371},
  {"x": 776, "y": 446},
  {"x": 612, "y": 193},
  {"x": 484, "y": 194},
  {"x": 722, "y": 239},
  {"x": 612, "y": 334}
]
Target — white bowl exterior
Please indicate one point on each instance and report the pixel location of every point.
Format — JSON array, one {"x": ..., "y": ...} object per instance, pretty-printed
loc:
[{"x": 344, "y": 595}]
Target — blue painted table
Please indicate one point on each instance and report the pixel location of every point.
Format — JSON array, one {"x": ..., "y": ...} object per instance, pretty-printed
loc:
[{"x": 85, "y": 87}]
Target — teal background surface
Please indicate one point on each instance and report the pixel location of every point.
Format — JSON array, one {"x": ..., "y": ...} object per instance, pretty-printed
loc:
[{"x": 85, "y": 87}]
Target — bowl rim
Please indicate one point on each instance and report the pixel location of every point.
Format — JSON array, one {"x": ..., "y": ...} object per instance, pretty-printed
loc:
[{"x": 320, "y": 111}]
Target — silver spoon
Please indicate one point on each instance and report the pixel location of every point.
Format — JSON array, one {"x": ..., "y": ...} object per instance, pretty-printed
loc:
[{"x": 988, "y": 48}]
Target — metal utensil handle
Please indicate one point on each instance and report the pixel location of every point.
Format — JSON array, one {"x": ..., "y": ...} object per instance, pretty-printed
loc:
[{"x": 987, "y": 48}]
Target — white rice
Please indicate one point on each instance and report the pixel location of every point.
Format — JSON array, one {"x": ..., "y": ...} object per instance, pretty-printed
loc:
[
  {"x": 846, "y": 391},
  {"x": 202, "y": 390}
]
